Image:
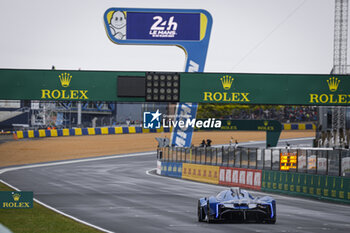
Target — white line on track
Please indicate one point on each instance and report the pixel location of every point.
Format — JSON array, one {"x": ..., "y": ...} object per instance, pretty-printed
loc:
[
  {"x": 60, "y": 212},
  {"x": 260, "y": 142},
  {"x": 63, "y": 163},
  {"x": 74, "y": 161}
]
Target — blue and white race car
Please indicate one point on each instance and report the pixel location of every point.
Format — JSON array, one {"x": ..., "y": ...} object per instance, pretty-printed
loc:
[{"x": 237, "y": 205}]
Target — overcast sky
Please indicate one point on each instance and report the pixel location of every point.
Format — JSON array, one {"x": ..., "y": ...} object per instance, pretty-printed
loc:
[{"x": 254, "y": 36}]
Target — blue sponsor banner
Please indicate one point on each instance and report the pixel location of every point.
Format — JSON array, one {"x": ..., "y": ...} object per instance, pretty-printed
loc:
[
  {"x": 171, "y": 169},
  {"x": 182, "y": 136},
  {"x": 162, "y": 26}
]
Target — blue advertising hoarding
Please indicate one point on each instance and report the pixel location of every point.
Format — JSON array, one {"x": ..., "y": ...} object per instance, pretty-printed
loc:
[
  {"x": 182, "y": 136},
  {"x": 171, "y": 169},
  {"x": 187, "y": 28}
]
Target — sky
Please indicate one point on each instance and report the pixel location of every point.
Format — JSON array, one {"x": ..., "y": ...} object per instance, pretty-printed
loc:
[{"x": 248, "y": 36}]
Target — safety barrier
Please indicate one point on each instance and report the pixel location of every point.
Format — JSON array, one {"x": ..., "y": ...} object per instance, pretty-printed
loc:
[
  {"x": 85, "y": 131},
  {"x": 201, "y": 173},
  {"x": 171, "y": 169},
  {"x": 240, "y": 177},
  {"x": 322, "y": 161},
  {"x": 121, "y": 130},
  {"x": 314, "y": 176},
  {"x": 310, "y": 185},
  {"x": 298, "y": 126}
]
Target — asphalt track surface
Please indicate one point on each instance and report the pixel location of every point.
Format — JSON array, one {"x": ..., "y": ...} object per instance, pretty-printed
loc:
[{"x": 118, "y": 194}]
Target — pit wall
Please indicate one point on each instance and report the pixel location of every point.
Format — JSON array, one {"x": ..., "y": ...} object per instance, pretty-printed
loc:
[
  {"x": 121, "y": 130},
  {"x": 85, "y": 131},
  {"x": 308, "y": 185}
]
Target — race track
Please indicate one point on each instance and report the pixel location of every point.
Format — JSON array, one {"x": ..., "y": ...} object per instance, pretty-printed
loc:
[{"x": 117, "y": 193}]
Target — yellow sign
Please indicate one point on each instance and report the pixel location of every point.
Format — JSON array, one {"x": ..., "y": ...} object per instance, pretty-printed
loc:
[
  {"x": 65, "y": 79},
  {"x": 202, "y": 173},
  {"x": 288, "y": 161}
]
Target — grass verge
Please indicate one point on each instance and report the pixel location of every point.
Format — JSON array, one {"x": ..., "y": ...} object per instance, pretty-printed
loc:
[{"x": 39, "y": 219}]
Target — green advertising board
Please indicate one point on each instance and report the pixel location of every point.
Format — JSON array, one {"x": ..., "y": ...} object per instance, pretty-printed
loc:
[
  {"x": 265, "y": 88},
  {"x": 311, "y": 185},
  {"x": 16, "y": 200},
  {"x": 75, "y": 85},
  {"x": 273, "y": 128},
  {"x": 67, "y": 85}
]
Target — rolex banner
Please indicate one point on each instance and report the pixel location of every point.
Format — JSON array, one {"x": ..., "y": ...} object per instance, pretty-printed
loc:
[
  {"x": 227, "y": 88},
  {"x": 16, "y": 200},
  {"x": 266, "y": 89}
]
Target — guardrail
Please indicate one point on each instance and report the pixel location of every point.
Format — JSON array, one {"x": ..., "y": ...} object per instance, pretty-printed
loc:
[
  {"x": 85, "y": 131},
  {"x": 323, "y": 161},
  {"x": 298, "y": 126},
  {"x": 121, "y": 130}
]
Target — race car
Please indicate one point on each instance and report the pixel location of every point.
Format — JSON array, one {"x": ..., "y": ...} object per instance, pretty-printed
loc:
[{"x": 237, "y": 205}]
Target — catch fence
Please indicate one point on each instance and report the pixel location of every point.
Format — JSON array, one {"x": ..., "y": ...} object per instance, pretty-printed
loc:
[{"x": 324, "y": 161}]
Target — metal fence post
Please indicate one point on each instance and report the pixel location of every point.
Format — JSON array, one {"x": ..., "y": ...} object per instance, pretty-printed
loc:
[
  {"x": 235, "y": 157},
  {"x": 339, "y": 151},
  {"x": 263, "y": 158},
  {"x": 222, "y": 155},
  {"x": 228, "y": 156},
  {"x": 297, "y": 170},
  {"x": 271, "y": 159},
  {"x": 240, "y": 158},
  {"x": 307, "y": 162},
  {"x": 279, "y": 159},
  {"x": 317, "y": 152},
  {"x": 195, "y": 155},
  {"x": 248, "y": 156},
  {"x": 327, "y": 162}
]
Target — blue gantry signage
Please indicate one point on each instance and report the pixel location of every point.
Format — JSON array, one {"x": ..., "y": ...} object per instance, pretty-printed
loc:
[
  {"x": 162, "y": 26},
  {"x": 187, "y": 28}
]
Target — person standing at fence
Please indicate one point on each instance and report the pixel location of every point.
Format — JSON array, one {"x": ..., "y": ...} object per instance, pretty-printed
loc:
[
  {"x": 236, "y": 144},
  {"x": 209, "y": 142},
  {"x": 231, "y": 141}
]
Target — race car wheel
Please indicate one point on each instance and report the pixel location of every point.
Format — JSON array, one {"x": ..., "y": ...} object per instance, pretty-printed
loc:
[
  {"x": 200, "y": 212},
  {"x": 271, "y": 221},
  {"x": 209, "y": 219}
]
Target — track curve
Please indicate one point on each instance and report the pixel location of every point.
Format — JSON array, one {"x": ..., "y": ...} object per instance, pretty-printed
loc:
[{"x": 117, "y": 193}]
